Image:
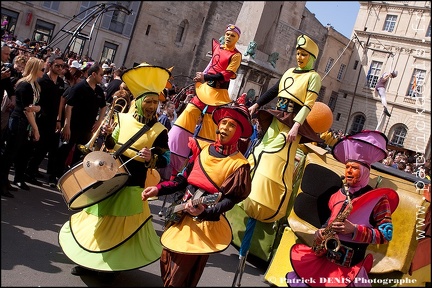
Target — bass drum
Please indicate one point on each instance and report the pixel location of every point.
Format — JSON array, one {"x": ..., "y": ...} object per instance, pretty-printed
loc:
[{"x": 80, "y": 190}]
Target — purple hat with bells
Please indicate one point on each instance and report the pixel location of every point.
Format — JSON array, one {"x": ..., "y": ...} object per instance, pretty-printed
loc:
[{"x": 365, "y": 147}]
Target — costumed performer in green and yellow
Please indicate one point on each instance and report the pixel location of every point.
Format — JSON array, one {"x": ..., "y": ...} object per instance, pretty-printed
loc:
[
  {"x": 272, "y": 160},
  {"x": 117, "y": 233}
]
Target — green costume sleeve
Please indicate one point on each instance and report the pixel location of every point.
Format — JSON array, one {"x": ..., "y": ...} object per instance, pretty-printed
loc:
[{"x": 116, "y": 133}]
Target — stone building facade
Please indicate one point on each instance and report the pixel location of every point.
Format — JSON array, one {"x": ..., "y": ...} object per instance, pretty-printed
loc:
[
  {"x": 106, "y": 35},
  {"x": 390, "y": 35},
  {"x": 179, "y": 34}
]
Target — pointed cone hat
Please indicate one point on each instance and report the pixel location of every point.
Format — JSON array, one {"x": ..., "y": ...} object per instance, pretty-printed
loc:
[{"x": 146, "y": 79}]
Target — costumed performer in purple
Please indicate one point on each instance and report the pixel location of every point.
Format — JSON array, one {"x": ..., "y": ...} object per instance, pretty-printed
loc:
[
  {"x": 211, "y": 91},
  {"x": 212, "y": 168},
  {"x": 360, "y": 216}
]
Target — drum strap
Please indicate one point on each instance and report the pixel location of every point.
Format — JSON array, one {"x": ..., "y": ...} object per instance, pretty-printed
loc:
[{"x": 132, "y": 140}]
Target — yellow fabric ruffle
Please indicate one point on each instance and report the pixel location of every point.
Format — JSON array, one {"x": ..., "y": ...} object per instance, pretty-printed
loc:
[
  {"x": 193, "y": 237},
  {"x": 107, "y": 224},
  {"x": 212, "y": 96},
  {"x": 188, "y": 120},
  {"x": 142, "y": 249}
]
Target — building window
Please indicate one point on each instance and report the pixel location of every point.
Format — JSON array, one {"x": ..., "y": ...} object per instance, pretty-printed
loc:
[
  {"x": 329, "y": 64},
  {"x": 415, "y": 88},
  {"x": 356, "y": 62},
  {"x": 11, "y": 17},
  {"x": 358, "y": 123},
  {"x": 338, "y": 115},
  {"x": 345, "y": 95},
  {"x": 333, "y": 100},
  {"x": 108, "y": 52},
  {"x": 321, "y": 94},
  {"x": 118, "y": 19},
  {"x": 181, "y": 31},
  {"x": 77, "y": 45},
  {"x": 428, "y": 32},
  {"x": 251, "y": 94},
  {"x": 341, "y": 71},
  {"x": 390, "y": 23},
  {"x": 51, "y": 5},
  {"x": 148, "y": 29},
  {"x": 374, "y": 74},
  {"x": 85, "y": 5},
  {"x": 43, "y": 31},
  {"x": 398, "y": 134}
]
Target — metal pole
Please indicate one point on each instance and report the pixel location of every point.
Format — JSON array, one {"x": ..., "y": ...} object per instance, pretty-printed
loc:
[
  {"x": 365, "y": 48},
  {"x": 352, "y": 101},
  {"x": 244, "y": 251}
]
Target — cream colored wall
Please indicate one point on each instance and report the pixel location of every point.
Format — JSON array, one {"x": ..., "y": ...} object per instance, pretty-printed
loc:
[
  {"x": 59, "y": 18},
  {"x": 411, "y": 49}
]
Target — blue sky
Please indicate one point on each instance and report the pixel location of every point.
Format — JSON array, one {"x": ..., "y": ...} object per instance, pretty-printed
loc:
[{"x": 340, "y": 14}]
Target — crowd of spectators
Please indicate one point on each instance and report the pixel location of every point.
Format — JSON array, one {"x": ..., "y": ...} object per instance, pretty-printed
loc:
[
  {"x": 75, "y": 69},
  {"x": 415, "y": 164}
]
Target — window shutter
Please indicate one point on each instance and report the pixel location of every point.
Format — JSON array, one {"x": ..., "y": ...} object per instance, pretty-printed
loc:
[
  {"x": 106, "y": 19},
  {"x": 130, "y": 19}
]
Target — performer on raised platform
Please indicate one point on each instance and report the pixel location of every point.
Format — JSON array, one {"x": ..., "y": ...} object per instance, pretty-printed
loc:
[
  {"x": 272, "y": 160},
  {"x": 211, "y": 91}
]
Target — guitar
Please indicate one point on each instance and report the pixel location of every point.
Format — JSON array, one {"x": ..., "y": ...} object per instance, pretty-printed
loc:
[{"x": 174, "y": 213}]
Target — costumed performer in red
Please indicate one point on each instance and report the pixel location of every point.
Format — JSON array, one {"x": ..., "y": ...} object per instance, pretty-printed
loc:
[
  {"x": 212, "y": 168},
  {"x": 360, "y": 216},
  {"x": 211, "y": 91}
]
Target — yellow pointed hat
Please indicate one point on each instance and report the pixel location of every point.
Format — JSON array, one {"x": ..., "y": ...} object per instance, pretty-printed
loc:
[{"x": 146, "y": 79}]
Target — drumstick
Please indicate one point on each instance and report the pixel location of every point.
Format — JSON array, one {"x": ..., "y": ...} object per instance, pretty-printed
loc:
[{"x": 138, "y": 154}]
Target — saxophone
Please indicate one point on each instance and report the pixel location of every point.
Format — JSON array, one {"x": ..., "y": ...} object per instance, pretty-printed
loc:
[{"x": 330, "y": 239}]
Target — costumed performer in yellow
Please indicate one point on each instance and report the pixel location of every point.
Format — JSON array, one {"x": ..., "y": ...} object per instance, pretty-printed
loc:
[
  {"x": 212, "y": 168},
  {"x": 211, "y": 91},
  {"x": 117, "y": 233},
  {"x": 272, "y": 160}
]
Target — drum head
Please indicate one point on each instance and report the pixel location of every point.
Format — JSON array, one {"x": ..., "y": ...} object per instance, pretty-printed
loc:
[
  {"x": 100, "y": 165},
  {"x": 80, "y": 190},
  {"x": 98, "y": 192}
]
